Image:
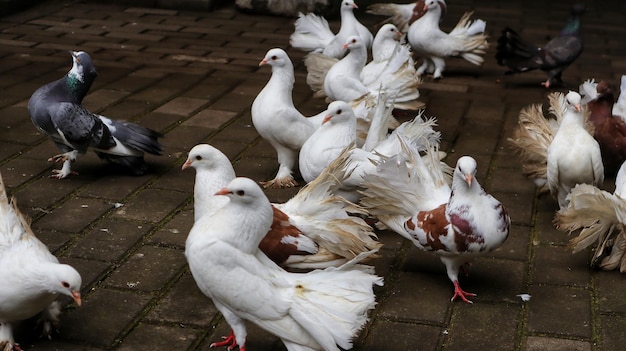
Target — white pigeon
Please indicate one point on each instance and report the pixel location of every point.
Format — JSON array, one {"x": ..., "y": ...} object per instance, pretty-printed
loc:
[
  {"x": 346, "y": 79},
  {"x": 319, "y": 310},
  {"x": 412, "y": 197},
  {"x": 312, "y": 230},
  {"x": 278, "y": 121},
  {"x": 467, "y": 40},
  {"x": 601, "y": 218},
  {"x": 399, "y": 14},
  {"x": 573, "y": 156},
  {"x": 312, "y": 32},
  {"x": 32, "y": 278},
  {"x": 619, "y": 108},
  {"x": 338, "y": 134}
]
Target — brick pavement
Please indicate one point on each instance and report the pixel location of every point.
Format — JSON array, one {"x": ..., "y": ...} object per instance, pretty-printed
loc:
[{"x": 193, "y": 76}]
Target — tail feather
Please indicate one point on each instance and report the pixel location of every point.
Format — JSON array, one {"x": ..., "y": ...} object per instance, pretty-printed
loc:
[
  {"x": 317, "y": 65},
  {"x": 311, "y": 33},
  {"x": 472, "y": 33},
  {"x": 515, "y": 53},
  {"x": 619, "y": 108}
]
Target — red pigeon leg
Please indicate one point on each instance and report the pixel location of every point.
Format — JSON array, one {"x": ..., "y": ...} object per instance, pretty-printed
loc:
[
  {"x": 229, "y": 341},
  {"x": 458, "y": 292}
]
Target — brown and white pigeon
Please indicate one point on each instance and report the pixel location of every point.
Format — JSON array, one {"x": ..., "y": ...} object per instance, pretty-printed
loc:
[
  {"x": 399, "y": 14},
  {"x": 314, "y": 229},
  {"x": 601, "y": 218},
  {"x": 278, "y": 121},
  {"x": 467, "y": 40},
  {"x": 55, "y": 110},
  {"x": 411, "y": 196},
  {"x": 32, "y": 278},
  {"x": 318, "y": 310},
  {"x": 312, "y": 33},
  {"x": 609, "y": 130},
  {"x": 518, "y": 55}
]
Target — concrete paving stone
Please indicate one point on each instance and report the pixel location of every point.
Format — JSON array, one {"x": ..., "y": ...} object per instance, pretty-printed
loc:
[
  {"x": 184, "y": 137},
  {"x": 185, "y": 305},
  {"x": 128, "y": 110},
  {"x": 258, "y": 339},
  {"x": 510, "y": 180},
  {"x": 174, "y": 233},
  {"x": 43, "y": 195},
  {"x": 148, "y": 269},
  {"x": 153, "y": 337},
  {"x": 148, "y": 205},
  {"x": 559, "y": 310},
  {"x": 182, "y": 106},
  {"x": 610, "y": 287},
  {"x": 100, "y": 327},
  {"x": 209, "y": 119},
  {"x": 491, "y": 284},
  {"x": 516, "y": 245},
  {"x": 613, "y": 331},
  {"x": 109, "y": 240},
  {"x": 74, "y": 215},
  {"x": 495, "y": 324},
  {"x": 557, "y": 265},
  {"x": 399, "y": 336},
  {"x": 115, "y": 187},
  {"x": 519, "y": 205},
  {"x": 540, "y": 343},
  {"x": 90, "y": 271},
  {"x": 102, "y": 98}
]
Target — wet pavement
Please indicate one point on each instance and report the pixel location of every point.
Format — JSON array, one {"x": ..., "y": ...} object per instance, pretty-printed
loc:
[{"x": 193, "y": 77}]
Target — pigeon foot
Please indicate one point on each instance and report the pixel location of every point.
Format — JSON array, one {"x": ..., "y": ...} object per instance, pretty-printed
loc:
[
  {"x": 460, "y": 293},
  {"x": 61, "y": 157},
  {"x": 6, "y": 345},
  {"x": 279, "y": 183},
  {"x": 228, "y": 341}
]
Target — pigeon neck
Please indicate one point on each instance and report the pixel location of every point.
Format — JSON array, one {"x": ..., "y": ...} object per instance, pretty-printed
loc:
[
  {"x": 78, "y": 86},
  {"x": 572, "y": 26}
]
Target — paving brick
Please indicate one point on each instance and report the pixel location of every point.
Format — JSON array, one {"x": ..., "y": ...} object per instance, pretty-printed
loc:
[
  {"x": 571, "y": 305},
  {"x": 152, "y": 337},
  {"x": 148, "y": 205}
]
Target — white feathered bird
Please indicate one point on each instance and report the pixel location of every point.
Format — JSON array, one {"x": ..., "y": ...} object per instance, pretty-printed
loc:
[
  {"x": 399, "y": 14},
  {"x": 319, "y": 310},
  {"x": 312, "y": 33},
  {"x": 32, "y": 278},
  {"x": 278, "y": 121},
  {"x": 411, "y": 196},
  {"x": 467, "y": 40},
  {"x": 601, "y": 218},
  {"x": 619, "y": 108},
  {"x": 313, "y": 229}
]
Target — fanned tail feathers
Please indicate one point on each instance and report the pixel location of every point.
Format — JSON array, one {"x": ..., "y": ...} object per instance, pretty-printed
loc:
[
  {"x": 311, "y": 33},
  {"x": 474, "y": 38},
  {"x": 317, "y": 65}
]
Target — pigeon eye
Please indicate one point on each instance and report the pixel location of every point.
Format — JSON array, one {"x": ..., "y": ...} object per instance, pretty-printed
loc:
[
  {"x": 198, "y": 158},
  {"x": 274, "y": 57},
  {"x": 339, "y": 111},
  {"x": 240, "y": 192},
  {"x": 65, "y": 284}
]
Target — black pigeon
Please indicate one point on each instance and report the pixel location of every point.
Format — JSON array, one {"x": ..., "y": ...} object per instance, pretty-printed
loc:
[
  {"x": 56, "y": 110},
  {"x": 520, "y": 56}
]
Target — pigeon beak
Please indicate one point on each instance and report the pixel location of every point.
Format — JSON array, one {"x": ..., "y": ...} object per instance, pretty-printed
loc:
[
  {"x": 76, "y": 297},
  {"x": 577, "y": 107},
  {"x": 263, "y": 62},
  {"x": 468, "y": 179},
  {"x": 399, "y": 35},
  {"x": 345, "y": 46},
  {"x": 355, "y": 6},
  {"x": 186, "y": 165},
  {"x": 75, "y": 55},
  {"x": 327, "y": 118},
  {"x": 223, "y": 191}
]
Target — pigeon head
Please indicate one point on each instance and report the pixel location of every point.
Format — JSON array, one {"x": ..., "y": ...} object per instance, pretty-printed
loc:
[
  {"x": 245, "y": 191},
  {"x": 573, "y": 23},
  {"x": 276, "y": 58},
  {"x": 205, "y": 156},
  {"x": 348, "y": 5},
  {"x": 81, "y": 75},
  {"x": 63, "y": 279},
  {"x": 389, "y": 31},
  {"x": 338, "y": 111},
  {"x": 573, "y": 100},
  {"x": 465, "y": 170},
  {"x": 353, "y": 42}
]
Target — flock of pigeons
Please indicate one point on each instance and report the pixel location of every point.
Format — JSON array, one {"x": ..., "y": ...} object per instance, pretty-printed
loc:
[{"x": 358, "y": 174}]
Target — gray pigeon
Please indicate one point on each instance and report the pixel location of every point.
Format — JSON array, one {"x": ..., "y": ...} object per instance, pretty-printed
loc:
[
  {"x": 56, "y": 110},
  {"x": 520, "y": 56}
]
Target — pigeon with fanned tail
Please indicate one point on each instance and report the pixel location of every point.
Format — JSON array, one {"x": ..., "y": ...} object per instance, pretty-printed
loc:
[
  {"x": 351, "y": 80},
  {"x": 278, "y": 121},
  {"x": 609, "y": 130},
  {"x": 601, "y": 218},
  {"x": 399, "y": 14},
  {"x": 535, "y": 133},
  {"x": 518, "y": 55},
  {"x": 56, "y": 110},
  {"x": 573, "y": 156},
  {"x": 467, "y": 39},
  {"x": 32, "y": 278},
  {"x": 312, "y": 33},
  {"x": 337, "y": 135},
  {"x": 314, "y": 229},
  {"x": 318, "y": 310},
  {"x": 411, "y": 196}
]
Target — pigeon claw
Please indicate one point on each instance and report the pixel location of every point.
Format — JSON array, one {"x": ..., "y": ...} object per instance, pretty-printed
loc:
[
  {"x": 61, "y": 174},
  {"x": 229, "y": 341},
  {"x": 460, "y": 293},
  {"x": 279, "y": 183}
]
